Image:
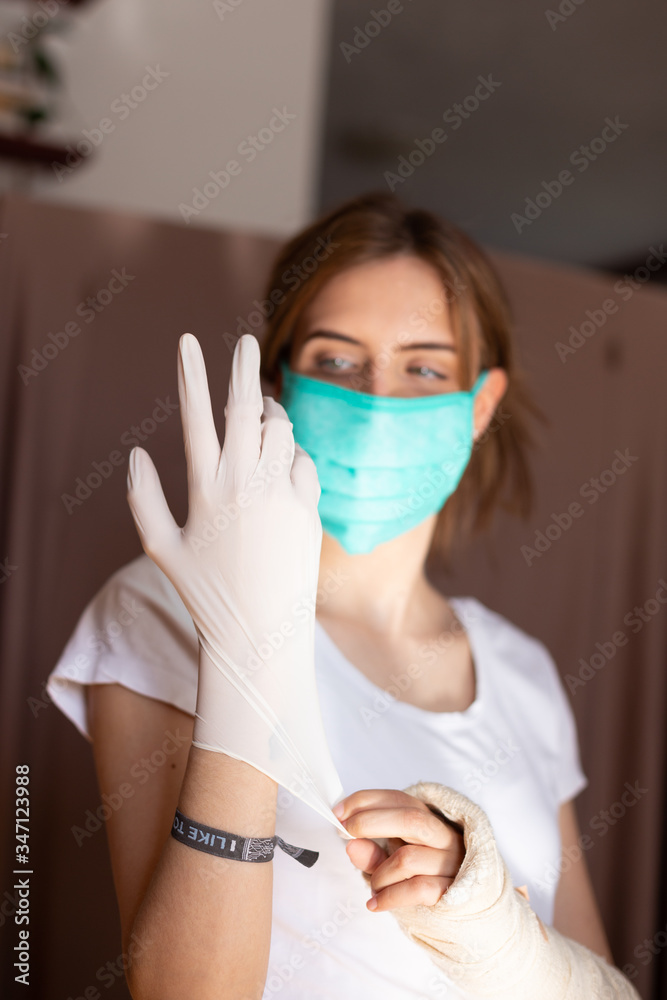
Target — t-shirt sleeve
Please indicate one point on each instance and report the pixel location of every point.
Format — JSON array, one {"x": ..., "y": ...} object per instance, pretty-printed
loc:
[
  {"x": 135, "y": 631},
  {"x": 569, "y": 776}
]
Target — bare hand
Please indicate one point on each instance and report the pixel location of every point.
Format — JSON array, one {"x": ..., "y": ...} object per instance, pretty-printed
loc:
[{"x": 423, "y": 853}]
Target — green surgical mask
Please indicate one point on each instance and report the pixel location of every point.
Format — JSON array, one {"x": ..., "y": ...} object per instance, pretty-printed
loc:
[{"x": 384, "y": 463}]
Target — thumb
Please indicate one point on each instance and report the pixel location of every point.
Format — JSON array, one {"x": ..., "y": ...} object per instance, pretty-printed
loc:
[{"x": 152, "y": 517}]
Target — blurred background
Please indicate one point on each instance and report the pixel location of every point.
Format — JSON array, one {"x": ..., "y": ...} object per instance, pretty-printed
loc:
[
  {"x": 366, "y": 86},
  {"x": 181, "y": 144}
]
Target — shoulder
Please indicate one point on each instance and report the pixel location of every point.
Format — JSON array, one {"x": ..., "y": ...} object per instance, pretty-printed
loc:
[
  {"x": 144, "y": 580},
  {"x": 504, "y": 641},
  {"x": 138, "y": 608},
  {"x": 524, "y": 687},
  {"x": 135, "y": 631},
  {"x": 517, "y": 668}
]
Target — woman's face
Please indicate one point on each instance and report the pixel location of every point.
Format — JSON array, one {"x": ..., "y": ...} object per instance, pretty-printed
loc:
[{"x": 380, "y": 327}]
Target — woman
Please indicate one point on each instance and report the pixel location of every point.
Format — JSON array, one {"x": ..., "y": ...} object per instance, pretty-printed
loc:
[{"x": 396, "y": 306}]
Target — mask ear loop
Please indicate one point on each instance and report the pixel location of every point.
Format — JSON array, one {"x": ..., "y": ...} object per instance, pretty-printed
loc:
[{"x": 481, "y": 379}]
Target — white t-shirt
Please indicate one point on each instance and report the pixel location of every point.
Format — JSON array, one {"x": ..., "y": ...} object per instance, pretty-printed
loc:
[{"x": 514, "y": 751}]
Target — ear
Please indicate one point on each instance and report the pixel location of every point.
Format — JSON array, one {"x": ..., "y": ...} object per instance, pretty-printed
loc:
[{"x": 488, "y": 398}]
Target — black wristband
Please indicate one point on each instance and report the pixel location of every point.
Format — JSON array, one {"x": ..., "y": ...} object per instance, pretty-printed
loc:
[{"x": 230, "y": 845}]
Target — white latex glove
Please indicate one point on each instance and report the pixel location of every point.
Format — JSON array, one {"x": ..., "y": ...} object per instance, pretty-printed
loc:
[
  {"x": 485, "y": 936},
  {"x": 246, "y": 567}
]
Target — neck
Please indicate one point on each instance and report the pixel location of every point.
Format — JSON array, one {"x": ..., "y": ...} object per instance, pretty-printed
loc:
[{"x": 384, "y": 591}]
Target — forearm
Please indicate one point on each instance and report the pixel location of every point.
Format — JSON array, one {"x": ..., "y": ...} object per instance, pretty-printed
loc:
[{"x": 208, "y": 919}]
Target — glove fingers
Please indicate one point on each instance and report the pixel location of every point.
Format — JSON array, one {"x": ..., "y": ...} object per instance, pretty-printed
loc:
[
  {"x": 277, "y": 441},
  {"x": 243, "y": 410},
  {"x": 202, "y": 448},
  {"x": 152, "y": 517},
  {"x": 304, "y": 477}
]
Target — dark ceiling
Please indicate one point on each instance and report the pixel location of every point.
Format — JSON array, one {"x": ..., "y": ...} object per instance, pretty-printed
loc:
[{"x": 557, "y": 74}]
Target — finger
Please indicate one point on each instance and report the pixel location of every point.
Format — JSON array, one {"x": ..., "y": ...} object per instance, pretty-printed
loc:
[
  {"x": 373, "y": 798},
  {"x": 410, "y": 823},
  {"x": 422, "y": 889},
  {"x": 305, "y": 478},
  {"x": 202, "y": 448},
  {"x": 277, "y": 441},
  {"x": 152, "y": 517},
  {"x": 365, "y": 854},
  {"x": 411, "y": 860},
  {"x": 241, "y": 448}
]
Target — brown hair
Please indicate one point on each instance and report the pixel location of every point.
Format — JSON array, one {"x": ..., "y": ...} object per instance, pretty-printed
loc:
[{"x": 377, "y": 225}]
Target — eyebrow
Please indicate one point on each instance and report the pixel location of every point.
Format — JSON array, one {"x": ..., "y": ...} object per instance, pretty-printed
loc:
[{"x": 427, "y": 345}]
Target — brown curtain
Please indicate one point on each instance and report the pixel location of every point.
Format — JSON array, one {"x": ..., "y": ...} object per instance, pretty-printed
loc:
[{"x": 130, "y": 286}]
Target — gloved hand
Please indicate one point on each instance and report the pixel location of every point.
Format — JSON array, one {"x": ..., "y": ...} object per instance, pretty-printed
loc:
[
  {"x": 485, "y": 936},
  {"x": 246, "y": 567}
]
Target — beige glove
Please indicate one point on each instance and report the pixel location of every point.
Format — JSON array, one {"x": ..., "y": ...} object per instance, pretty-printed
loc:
[{"x": 485, "y": 936}]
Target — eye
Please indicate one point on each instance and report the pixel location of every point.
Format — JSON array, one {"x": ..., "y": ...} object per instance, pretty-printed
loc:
[
  {"x": 336, "y": 363},
  {"x": 333, "y": 364},
  {"x": 423, "y": 369}
]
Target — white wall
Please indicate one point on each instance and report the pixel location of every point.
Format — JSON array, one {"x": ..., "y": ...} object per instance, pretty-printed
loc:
[{"x": 228, "y": 64}]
